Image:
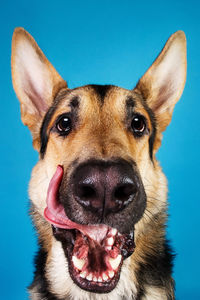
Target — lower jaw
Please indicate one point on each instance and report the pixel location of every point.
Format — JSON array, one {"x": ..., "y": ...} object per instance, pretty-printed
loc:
[
  {"x": 91, "y": 282},
  {"x": 105, "y": 286}
]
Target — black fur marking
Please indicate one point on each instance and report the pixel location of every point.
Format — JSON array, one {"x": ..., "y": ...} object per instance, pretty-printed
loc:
[
  {"x": 130, "y": 103},
  {"x": 101, "y": 90},
  {"x": 153, "y": 123},
  {"x": 156, "y": 271},
  {"x": 151, "y": 142},
  {"x": 153, "y": 134},
  {"x": 75, "y": 102},
  {"x": 44, "y": 136},
  {"x": 40, "y": 282}
]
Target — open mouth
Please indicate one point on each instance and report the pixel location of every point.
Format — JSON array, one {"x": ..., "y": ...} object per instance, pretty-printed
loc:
[{"x": 95, "y": 252}]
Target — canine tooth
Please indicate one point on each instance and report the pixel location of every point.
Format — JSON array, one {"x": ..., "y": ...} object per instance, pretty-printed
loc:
[
  {"x": 99, "y": 279},
  {"x": 114, "y": 262},
  {"x": 83, "y": 274},
  {"x": 94, "y": 279},
  {"x": 113, "y": 231},
  {"x": 105, "y": 277},
  {"x": 78, "y": 263},
  {"x": 110, "y": 241},
  {"x": 111, "y": 274},
  {"x": 89, "y": 277}
]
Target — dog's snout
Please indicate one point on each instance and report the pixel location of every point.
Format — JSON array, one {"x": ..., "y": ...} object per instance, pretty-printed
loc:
[{"x": 105, "y": 187}]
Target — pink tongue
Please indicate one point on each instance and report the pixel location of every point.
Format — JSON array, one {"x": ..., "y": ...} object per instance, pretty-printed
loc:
[{"x": 54, "y": 212}]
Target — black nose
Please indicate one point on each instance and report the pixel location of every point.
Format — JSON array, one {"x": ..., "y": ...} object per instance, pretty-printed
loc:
[{"x": 105, "y": 186}]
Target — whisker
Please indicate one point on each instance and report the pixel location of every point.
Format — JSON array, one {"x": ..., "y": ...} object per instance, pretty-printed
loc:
[
  {"x": 149, "y": 215},
  {"x": 153, "y": 193},
  {"x": 153, "y": 198},
  {"x": 149, "y": 181}
]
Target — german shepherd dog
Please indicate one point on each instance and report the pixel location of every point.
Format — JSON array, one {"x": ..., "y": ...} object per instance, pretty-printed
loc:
[{"x": 98, "y": 194}]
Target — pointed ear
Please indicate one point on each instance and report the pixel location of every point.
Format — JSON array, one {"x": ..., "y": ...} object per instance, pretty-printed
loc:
[
  {"x": 163, "y": 83},
  {"x": 35, "y": 81}
]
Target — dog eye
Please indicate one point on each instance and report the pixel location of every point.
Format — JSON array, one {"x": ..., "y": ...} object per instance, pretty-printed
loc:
[
  {"x": 138, "y": 125},
  {"x": 64, "y": 125}
]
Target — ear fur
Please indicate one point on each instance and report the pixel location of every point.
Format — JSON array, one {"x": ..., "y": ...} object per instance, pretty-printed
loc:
[
  {"x": 35, "y": 81},
  {"x": 163, "y": 83}
]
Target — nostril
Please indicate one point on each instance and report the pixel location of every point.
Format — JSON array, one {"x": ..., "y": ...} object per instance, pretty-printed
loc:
[
  {"x": 124, "y": 193},
  {"x": 86, "y": 192},
  {"x": 88, "y": 196}
]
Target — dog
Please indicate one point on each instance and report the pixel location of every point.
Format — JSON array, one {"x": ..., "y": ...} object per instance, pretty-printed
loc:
[{"x": 98, "y": 194}]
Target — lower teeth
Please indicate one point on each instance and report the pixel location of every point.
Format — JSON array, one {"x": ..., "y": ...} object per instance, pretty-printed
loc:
[
  {"x": 102, "y": 278},
  {"x": 111, "y": 274}
]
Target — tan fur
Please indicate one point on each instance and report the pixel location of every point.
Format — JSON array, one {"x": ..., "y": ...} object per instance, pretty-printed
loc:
[{"x": 100, "y": 134}]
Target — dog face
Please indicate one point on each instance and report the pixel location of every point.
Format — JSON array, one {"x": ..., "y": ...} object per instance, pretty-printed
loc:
[{"x": 97, "y": 181}]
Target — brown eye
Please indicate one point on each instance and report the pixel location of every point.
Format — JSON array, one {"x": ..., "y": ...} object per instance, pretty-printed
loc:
[
  {"x": 138, "y": 125},
  {"x": 64, "y": 125}
]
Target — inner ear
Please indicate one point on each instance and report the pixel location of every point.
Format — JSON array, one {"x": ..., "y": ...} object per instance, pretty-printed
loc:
[
  {"x": 163, "y": 83},
  {"x": 35, "y": 80}
]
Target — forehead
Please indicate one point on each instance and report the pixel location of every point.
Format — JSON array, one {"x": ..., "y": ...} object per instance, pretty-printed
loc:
[{"x": 103, "y": 96}]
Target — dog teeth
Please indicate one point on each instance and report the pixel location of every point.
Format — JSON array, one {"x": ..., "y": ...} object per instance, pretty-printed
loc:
[
  {"x": 83, "y": 274},
  {"x": 105, "y": 277},
  {"x": 89, "y": 277},
  {"x": 102, "y": 278},
  {"x": 99, "y": 279},
  {"x": 111, "y": 274},
  {"x": 113, "y": 231},
  {"x": 110, "y": 241},
  {"x": 78, "y": 263},
  {"x": 114, "y": 262}
]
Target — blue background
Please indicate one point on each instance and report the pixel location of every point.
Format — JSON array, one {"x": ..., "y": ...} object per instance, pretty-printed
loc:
[{"x": 104, "y": 42}]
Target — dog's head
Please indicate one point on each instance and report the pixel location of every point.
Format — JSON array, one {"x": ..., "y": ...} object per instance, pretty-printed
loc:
[{"x": 97, "y": 181}]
